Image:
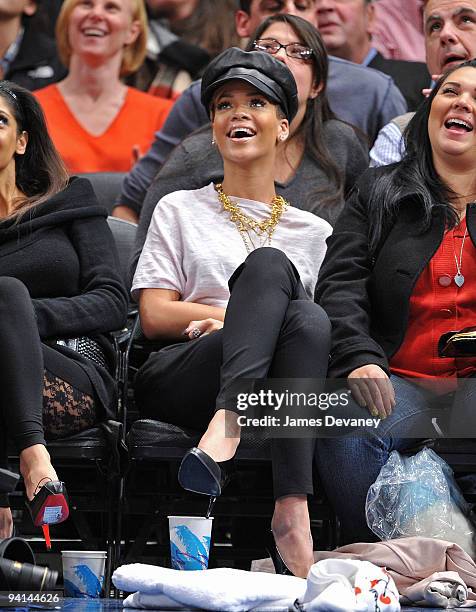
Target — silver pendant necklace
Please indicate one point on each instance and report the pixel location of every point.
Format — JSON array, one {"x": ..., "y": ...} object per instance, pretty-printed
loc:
[{"x": 458, "y": 277}]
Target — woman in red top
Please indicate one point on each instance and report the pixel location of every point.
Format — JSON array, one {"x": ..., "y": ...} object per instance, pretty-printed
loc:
[
  {"x": 398, "y": 274},
  {"x": 96, "y": 122}
]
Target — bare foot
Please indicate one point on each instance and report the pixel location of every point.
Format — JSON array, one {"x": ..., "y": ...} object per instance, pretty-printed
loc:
[
  {"x": 292, "y": 533},
  {"x": 222, "y": 437},
  {"x": 36, "y": 468}
]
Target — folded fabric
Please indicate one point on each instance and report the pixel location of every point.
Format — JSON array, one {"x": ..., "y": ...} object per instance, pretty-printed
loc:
[
  {"x": 412, "y": 562},
  {"x": 143, "y": 601},
  {"x": 224, "y": 589},
  {"x": 345, "y": 585},
  {"x": 332, "y": 586},
  {"x": 440, "y": 590}
]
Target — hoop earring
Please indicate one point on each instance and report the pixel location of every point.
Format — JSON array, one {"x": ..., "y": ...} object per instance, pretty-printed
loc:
[{"x": 213, "y": 140}]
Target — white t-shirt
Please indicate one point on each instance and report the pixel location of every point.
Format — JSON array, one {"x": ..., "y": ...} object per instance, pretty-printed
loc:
[{"x": 193, "y": 247}]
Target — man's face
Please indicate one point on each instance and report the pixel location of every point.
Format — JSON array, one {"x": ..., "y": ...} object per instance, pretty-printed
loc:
[
  {"x": 450, "y": 33},
  {"x": 345, "y": 26},
  {"x": 15, "y": 8},
  {"x": 246, "y": 23}
]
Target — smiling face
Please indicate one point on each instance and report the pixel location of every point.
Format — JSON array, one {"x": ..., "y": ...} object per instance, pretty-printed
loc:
[
  {"x": 303, "y": 70},
  {"x": 246, "y": 125},
  {"x": 11, "y": 142},
  {"x": 450, "y": 33},
  {"x": 452, "y": 120},
  {"x": 102, "y": 28},
  {"x": 345, "y": 27}
]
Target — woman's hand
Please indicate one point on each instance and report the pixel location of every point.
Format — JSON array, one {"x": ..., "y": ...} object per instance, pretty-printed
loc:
[
  {"x": 6, "y": 523},
  {"x": 372, "y": 388},
  {"x": 206, "y": 326}
]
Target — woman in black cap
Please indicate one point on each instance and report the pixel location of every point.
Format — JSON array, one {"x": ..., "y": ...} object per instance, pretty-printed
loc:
[{"x": 238, "y": 237}]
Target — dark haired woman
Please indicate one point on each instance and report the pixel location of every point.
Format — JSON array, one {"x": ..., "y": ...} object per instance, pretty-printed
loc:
[
  {"x": 312, "y": 153},
  {"x": 315, "y": 167},
  {"x": 204, "y": 243},
  {"x": 396, "y": 277},
  {"x": 58, "y": 281}
]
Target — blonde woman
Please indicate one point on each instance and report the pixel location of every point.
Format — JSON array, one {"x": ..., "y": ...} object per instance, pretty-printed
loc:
[{"x": 96, "y": 122}]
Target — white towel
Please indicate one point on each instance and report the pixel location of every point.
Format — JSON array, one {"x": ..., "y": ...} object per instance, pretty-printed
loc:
[
  {"x": 223, "y": 589},
  {"x": 143, "y": 601},
  {"x": 333, "y": 585},
  {"x": 344, "y": 585}
]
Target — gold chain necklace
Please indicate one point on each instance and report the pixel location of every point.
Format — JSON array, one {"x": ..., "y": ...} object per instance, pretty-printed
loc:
[{"x": 246, "y": 224}]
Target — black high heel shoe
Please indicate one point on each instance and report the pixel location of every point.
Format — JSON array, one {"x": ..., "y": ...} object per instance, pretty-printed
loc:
[
  {"x": 200, "y": 473},
  {"x": 49, "y": 506},
  {"x": 280, "y": 566}
]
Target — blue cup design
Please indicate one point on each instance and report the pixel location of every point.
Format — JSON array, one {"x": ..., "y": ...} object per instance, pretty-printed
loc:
[
  {"x": 88, "y": 584},
  {"x": 188, "y": 551},
  {"x": 83, "y": 574}
]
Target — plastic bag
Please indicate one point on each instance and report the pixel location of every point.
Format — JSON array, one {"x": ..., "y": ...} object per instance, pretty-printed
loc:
[{"x": 418, "y": 496}]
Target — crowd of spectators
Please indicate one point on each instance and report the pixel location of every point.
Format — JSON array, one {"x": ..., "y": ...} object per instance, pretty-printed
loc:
[{"x": 376, "y": 82}]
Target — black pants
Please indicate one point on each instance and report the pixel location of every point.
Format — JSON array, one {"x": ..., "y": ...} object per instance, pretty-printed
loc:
[
  {"x": 271, "y": 330},
  {"x": 36, "y": 380}
]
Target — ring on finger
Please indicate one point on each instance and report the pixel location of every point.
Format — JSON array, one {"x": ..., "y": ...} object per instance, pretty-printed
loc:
[{"x": 195, "y": 333}]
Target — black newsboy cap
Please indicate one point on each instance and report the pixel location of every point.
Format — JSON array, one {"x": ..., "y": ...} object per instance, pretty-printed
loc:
[{"x": 270, "y": 76}]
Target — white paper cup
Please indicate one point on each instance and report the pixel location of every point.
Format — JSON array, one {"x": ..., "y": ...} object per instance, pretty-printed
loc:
[
  {"x": 190, "y": 538},
  {"x": 83, "y": 573}
]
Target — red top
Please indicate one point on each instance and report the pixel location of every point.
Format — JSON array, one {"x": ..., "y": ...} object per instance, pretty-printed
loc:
[
  {"x": 438, "y": 305},
  {"x": 139, "y": 117}
]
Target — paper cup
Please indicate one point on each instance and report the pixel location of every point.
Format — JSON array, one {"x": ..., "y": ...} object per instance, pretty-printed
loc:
[
  {"x": 83, "y": 573},
  {"x": 190, "y": 538}
]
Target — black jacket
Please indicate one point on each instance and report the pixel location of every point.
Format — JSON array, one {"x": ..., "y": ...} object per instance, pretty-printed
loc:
[
  {"x": 409, "y": 77},
  {"x": 64, "y": 253},
  {"x": 367, "y": 296},
  {"x": 37, "y": 63}
]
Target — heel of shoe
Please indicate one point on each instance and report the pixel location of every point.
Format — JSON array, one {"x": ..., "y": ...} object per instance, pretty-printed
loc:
[
  {"x": 46, "y": 534},
  {"x": 211, "y": 505},
  {"x": 280, "y": 566},
  {"x": 48, "y": 507},
  {"x": 200, "y": 473},
  {"x": 50, "y": 504}
]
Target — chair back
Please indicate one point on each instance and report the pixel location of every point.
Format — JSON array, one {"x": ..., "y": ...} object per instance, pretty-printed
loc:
[
  {"x": 124, "y": 233},
  {"x": 107, "y": 186}
]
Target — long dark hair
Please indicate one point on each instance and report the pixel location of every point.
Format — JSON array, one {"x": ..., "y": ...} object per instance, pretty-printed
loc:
[
  {"x": 318, "y": 109},
  {"x": 39, "y": 172},
  {"x": 211, "y": 26},
  {"x": 416, "y": 174}
]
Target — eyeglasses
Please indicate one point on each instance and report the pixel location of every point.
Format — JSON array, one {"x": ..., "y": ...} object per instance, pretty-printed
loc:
[{"x": 272, "y": 46}]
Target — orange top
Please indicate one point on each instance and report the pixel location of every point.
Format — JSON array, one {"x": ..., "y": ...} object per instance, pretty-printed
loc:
[
  {"x": 438, "y": 305},
  {"x": 139, "y": 117}
]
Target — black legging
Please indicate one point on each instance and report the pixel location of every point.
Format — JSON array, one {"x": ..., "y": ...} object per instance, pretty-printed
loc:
[
  {"x": 271, "y": 330},
  {"x": 42, "y": 389}
]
